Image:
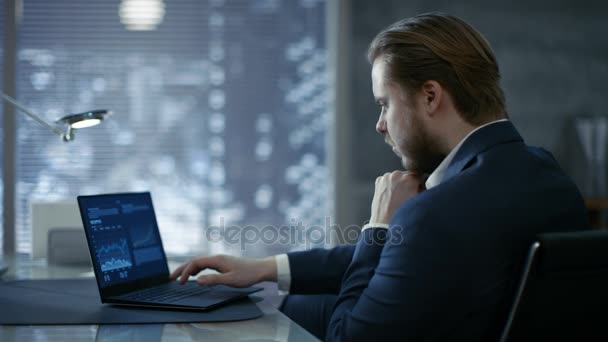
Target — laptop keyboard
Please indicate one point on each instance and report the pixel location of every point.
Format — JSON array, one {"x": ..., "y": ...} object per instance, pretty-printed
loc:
[{"x": 167, "y": 293}]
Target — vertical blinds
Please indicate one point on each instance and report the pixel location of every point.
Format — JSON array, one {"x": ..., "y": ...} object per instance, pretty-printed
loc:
[{"x": 221, "y": 111}]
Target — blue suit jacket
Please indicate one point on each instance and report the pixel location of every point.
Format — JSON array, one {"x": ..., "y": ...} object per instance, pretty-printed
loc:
[{"x": 447, "y": 268}]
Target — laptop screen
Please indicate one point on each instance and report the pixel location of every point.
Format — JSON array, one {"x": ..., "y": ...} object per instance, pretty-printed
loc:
[{"x": 123, "y": 237}]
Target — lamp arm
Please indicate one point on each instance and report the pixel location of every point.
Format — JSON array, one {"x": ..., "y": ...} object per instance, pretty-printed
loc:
[{"x": 32, "y": 115}]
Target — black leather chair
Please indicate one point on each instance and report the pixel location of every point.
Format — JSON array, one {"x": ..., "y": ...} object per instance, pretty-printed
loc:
[{"x": 563, "y": 293}]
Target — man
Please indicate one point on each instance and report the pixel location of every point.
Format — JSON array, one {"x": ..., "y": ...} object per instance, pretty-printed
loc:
[{"x": 440, "y": 257}]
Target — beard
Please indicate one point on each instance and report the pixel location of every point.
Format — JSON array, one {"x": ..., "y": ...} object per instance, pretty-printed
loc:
[{"x": 420, "y": 153}]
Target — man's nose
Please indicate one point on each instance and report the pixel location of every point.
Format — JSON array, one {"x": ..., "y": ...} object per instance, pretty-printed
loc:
[{"x": 381, "y": 125}]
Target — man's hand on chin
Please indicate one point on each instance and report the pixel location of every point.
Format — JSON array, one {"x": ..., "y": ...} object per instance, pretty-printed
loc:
[{"x": 392, "y": 190}]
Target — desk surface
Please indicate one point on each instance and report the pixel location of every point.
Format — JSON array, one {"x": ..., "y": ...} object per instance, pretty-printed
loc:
[{"x": 273, "y": 326}]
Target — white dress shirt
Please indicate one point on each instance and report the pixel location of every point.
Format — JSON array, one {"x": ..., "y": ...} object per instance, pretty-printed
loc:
[{"x": 435, "y": 178}]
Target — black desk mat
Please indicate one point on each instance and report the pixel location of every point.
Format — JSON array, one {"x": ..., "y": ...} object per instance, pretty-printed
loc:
[{"x": 76, "y": 301}]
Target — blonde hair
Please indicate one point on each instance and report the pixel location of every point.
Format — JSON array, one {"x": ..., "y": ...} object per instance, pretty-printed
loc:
[{"x": 443, "y": 48}]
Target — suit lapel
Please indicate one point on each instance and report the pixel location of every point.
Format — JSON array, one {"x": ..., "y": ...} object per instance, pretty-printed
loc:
[{"x": 480, "y": 141}]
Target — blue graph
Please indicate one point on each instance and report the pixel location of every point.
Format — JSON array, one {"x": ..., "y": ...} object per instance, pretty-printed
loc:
[
  {"x": 114, "y": 255},
  {"x": 113, "y": 264},
  {"x": 142, "y": 235}
]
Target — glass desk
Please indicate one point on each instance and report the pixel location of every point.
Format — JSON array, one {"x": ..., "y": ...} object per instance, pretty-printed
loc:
[{"x": 273, "y": 326}]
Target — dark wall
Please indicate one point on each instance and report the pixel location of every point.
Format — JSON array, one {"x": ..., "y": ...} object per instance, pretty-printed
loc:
[{"x": 553, "y": 56}]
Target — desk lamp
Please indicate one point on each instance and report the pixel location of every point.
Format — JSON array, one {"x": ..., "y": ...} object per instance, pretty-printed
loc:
[{"x": 72, "y": 121}]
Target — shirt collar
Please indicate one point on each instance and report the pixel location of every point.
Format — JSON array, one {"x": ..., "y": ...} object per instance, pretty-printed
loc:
[{"x": 436, "y": 177}]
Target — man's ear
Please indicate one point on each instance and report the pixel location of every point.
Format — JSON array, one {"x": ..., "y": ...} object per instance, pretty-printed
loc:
[{"x": 432, "y": 94}]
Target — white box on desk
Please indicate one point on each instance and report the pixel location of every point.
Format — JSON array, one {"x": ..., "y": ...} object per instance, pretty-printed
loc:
[{"x": 46, "y": 215}]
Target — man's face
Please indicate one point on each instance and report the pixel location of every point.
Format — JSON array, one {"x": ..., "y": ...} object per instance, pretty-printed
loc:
[{"x": 402, "y": 125}]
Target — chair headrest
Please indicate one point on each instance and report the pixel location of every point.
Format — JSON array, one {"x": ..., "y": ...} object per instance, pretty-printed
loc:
[{"x": 573, "y": 250}]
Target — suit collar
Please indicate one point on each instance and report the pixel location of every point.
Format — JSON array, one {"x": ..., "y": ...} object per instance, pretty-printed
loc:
[
  {"x": 480, "y": 141},
  {"x": 436, "y": 177}
]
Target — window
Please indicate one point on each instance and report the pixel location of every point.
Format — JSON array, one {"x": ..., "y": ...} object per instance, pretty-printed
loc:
[
  {"x": 1, "y": 123},
  {"x": 221, "y": 110}
]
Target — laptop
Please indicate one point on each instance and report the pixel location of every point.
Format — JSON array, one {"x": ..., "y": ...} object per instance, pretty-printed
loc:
[{"x": 129, "y": 260}]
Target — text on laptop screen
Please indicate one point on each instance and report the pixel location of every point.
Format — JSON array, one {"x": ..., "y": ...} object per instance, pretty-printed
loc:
[{"x": 124, "y": 240}]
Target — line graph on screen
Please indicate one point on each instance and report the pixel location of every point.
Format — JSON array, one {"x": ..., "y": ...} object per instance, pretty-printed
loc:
[
  {"x": 114, "y": 255},
  {"x": 142, "y": 235}
]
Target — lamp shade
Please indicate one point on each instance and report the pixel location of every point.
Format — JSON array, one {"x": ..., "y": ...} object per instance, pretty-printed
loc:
[
  {"x": 86, "y": 119},
  {"x": 72, "y": 121}
]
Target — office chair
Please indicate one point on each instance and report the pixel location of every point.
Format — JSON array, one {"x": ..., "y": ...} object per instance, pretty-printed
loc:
[{"x": 563, "y": 292}]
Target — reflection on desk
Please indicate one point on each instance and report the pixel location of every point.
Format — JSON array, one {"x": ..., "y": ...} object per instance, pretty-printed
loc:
[
  {"x": 273, "y": 326},
  {"x": 146, "y": 332}
]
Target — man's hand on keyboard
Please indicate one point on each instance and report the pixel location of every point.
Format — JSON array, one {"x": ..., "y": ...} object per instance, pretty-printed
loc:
[{"x": 233, "y": 271}]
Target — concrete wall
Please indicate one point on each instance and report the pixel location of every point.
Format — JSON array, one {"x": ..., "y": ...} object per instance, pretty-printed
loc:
[{"x": 553, "y": 55}]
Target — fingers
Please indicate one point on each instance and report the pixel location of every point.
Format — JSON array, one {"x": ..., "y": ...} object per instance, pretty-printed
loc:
[
  {"x": 399, "y": 175},
  {"x": 177, "y": 272},
  {"x": 194, "y": 267},
  {"x": 189, "y": 269},
  {"x": 392, "y": 190},
  {"x": 214, "y": 279}
]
